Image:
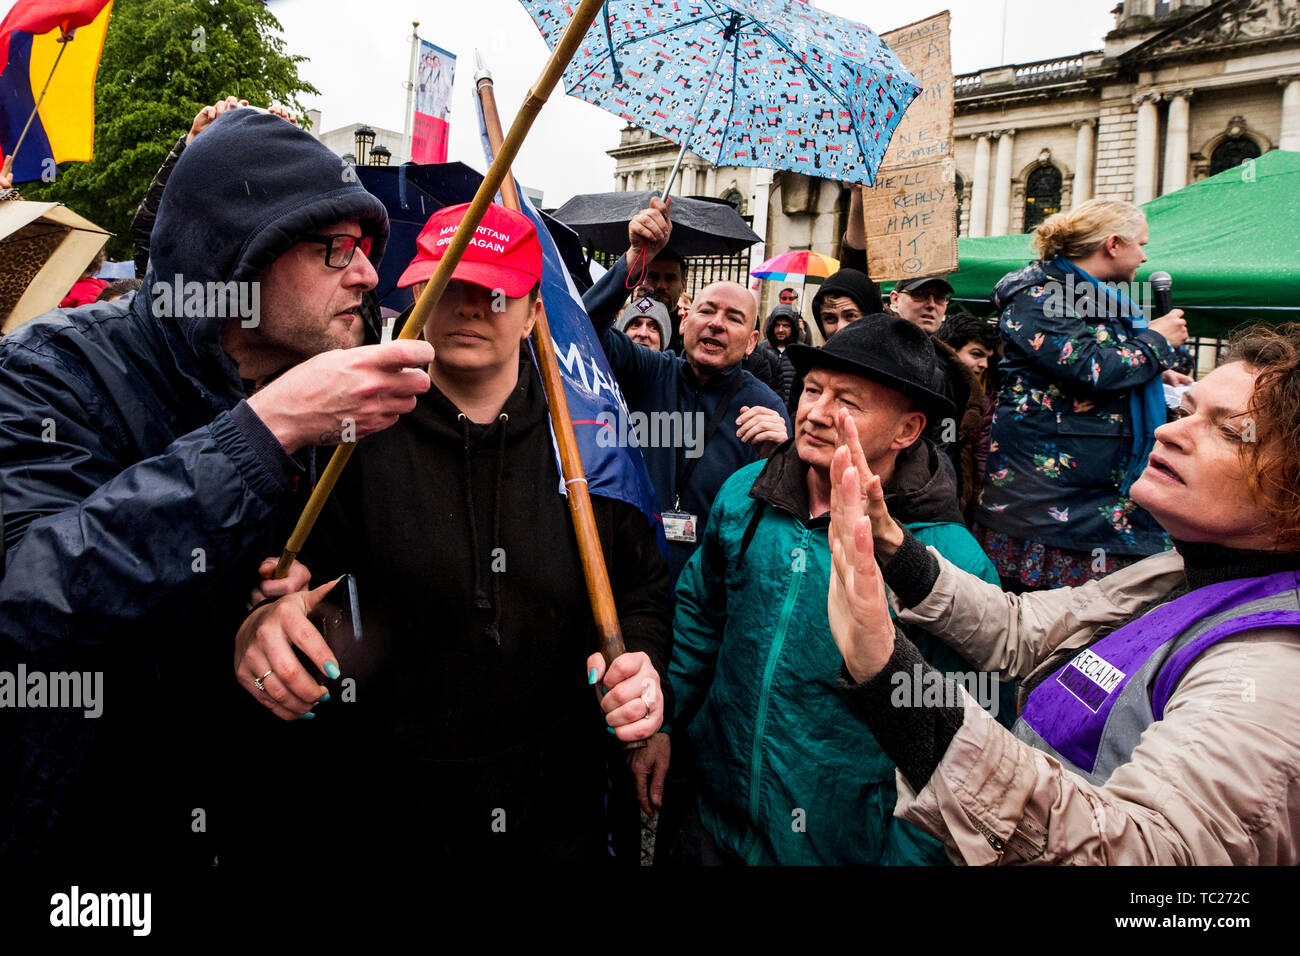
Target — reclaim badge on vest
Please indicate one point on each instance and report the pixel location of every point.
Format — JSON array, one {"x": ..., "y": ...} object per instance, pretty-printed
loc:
[{"x": 1090, "y": 678}]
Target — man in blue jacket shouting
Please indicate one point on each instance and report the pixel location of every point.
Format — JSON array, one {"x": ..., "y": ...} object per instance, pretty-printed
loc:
[
  {"x": 151, "y": 455},
  {"x": 704, "y": 414}
]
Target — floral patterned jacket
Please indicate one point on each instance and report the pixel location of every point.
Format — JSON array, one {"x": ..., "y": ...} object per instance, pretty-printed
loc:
[{"x": 1062, "y": 432}]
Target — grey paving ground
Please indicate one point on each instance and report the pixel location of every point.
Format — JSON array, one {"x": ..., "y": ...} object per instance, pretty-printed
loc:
[{"x": 648, "y": 830}]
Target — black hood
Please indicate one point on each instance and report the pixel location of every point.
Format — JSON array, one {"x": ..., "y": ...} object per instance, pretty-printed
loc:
[
  {"x": 241, "y": 194},
  {"x": 854, "y": 284},
  {"x": 782, "y": 312},
  {"x": 921, "y": 489}
]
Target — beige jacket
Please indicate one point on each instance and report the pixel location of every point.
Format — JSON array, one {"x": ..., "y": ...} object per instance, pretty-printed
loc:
[{"x": 1217, "y": 781}]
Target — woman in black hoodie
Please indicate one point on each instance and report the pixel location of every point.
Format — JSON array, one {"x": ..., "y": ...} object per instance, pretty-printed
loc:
[{"x": 472, "y": 732}]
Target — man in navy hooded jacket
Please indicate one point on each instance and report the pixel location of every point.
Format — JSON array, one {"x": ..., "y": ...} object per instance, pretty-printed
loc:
[
  {"x": 706, "y": 385},
  {"x": 149, "y": 460}
]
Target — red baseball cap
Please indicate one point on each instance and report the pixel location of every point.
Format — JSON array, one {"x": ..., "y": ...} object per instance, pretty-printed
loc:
[{"x": 504, "y": 253}]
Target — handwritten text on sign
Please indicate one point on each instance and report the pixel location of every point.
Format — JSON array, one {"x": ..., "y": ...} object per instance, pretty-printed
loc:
[{"x": 911, "y": 212}]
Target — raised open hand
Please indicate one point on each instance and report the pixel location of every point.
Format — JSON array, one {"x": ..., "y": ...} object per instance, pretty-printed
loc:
[{"x": 857, "y": 606}]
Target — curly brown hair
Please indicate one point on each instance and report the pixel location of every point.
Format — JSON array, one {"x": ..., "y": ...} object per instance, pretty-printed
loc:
[{"x": 1273, "y": 472}]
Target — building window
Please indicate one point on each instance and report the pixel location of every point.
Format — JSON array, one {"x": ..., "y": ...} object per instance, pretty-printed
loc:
[
  {"x": 961, "y": 199},
  {"x": 1232, "y": 152},
  {"x": 736, "y": 199},
  {"x": 1042, "y": 195}
]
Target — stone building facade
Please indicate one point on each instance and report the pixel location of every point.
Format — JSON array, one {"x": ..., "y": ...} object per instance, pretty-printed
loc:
[
  {"x": 1183, "y": 89},
  {"x": 1180, "y": 90}
]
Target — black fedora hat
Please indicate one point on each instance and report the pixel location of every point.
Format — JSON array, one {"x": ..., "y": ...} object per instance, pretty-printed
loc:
[{"x": 888, "y": 350}]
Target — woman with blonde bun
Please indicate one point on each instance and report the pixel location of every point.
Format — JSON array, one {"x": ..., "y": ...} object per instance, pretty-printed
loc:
[{"x": 1080, "y": 400}]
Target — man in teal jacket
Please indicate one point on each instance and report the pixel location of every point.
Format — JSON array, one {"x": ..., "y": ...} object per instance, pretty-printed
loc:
[{"x": 784, "y": 775}]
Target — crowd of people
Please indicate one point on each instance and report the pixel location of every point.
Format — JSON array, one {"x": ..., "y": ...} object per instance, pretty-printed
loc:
[{"x": 933, "y": 587}]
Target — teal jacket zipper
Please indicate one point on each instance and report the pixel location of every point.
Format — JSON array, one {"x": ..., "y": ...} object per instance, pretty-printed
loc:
[{"x": 765, "y": 688}]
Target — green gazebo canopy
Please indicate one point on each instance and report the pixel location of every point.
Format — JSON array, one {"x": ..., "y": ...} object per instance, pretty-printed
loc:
[{"x": 1231, "y": 243}]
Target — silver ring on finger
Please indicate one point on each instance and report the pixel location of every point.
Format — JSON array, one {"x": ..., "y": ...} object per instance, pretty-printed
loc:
[{"x": 258, "y": 682}]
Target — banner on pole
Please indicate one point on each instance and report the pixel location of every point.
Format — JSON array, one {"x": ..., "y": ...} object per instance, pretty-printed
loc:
[
  {"x": 911, "y": 211},
  {"x": 591, "y": 390},
  {"x": 32, "y": 37},
  {"x": 437, "y": 70}
]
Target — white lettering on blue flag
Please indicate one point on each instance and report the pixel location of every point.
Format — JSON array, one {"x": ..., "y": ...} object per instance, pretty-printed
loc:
[{"x": 590, "y": 386}]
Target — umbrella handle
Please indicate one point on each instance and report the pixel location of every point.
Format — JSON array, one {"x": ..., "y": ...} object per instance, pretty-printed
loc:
[
  {"x": 681, "y": 154},
  {"x": 732, "y": 30}
]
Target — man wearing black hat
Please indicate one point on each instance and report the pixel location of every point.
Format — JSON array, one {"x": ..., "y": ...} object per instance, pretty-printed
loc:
[
  {"x": 780, "y": 755},
  {"x": 923, "y": 301}
]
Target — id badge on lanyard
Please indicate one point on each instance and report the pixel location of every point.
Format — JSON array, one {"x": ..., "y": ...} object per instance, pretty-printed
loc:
[{"x": 680, "y": 525}]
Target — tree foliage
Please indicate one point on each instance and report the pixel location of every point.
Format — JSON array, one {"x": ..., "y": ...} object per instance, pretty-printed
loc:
[{"x": 163, "y": 61}]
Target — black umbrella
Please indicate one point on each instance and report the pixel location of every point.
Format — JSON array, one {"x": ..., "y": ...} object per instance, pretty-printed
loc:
[
  {"x": 413, "y": 192},
  {"x": 701, "y": 227}
]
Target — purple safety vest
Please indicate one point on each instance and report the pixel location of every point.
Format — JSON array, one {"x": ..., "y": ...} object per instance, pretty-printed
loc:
[{"x": 1092, "y": 711}]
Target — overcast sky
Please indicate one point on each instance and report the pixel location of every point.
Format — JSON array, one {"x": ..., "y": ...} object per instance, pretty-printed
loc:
[{"x": 359, "y": 58}]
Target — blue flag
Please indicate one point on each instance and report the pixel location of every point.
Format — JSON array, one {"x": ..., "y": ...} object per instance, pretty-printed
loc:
[{"x": 589, "y": 386}]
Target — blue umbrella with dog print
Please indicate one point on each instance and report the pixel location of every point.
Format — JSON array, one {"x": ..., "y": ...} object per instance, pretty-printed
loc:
[{"x": 776, "y": 84}]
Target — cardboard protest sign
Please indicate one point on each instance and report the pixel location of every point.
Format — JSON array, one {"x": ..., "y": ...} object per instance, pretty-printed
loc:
[{"x": 911, "y": 212}]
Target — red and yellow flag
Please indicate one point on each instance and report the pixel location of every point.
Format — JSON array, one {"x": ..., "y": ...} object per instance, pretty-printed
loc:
[{"x": 31, "y": 38}]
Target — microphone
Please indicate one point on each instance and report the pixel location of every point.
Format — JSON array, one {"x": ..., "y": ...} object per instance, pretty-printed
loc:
[{"x": 1161, "y": 283}]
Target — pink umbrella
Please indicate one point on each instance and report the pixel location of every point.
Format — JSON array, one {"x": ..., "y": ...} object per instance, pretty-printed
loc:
[{"x": 797, "y": 265}]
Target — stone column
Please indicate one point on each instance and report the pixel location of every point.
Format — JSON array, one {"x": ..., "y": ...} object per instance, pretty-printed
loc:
[
  {"x": 687, "y": 187},
  {"x": 979, "y": 188},
  {"x": 1083, "y": 163},
  {"x": 1148, "y": 123},
  {"x": 711, "y": 182},
  {"x": 1017, "y": 224},
  {"x": 1177, "y": 148},
  {"x": 1290, "y": 138},
  {"x": 1002, "y": 184}
]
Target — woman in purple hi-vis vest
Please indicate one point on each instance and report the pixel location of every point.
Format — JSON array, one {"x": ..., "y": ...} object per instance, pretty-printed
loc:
[{"x": 1158, "y": 716}]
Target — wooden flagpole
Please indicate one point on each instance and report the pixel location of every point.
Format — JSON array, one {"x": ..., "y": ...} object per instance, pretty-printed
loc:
[{"x": 599, "y": 591}]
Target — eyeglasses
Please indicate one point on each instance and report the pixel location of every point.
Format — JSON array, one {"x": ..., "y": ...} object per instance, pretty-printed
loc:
[{"x": 340, "y": 248}]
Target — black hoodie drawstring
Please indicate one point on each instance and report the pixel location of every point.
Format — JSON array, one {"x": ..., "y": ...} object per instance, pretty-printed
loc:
[
  {"x": 494, "y": 628},
  {"x": 481, "y": 601}
]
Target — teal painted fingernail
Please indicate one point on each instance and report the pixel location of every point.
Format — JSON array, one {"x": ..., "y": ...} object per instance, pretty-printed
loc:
[
  {"x": 592, "y": 676},
  {"x": 307, "y": 716},
  {"x": 331, "y": 670},
  {"x": 610, "y": 729},
  {"x": 325, "y": 698}
]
